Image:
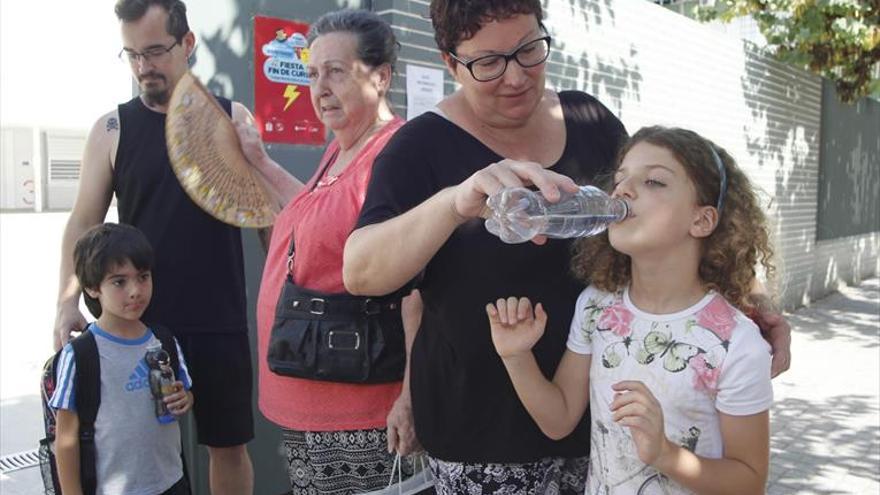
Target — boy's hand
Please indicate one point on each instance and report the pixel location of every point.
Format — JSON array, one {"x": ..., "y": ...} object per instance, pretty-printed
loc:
[
  {"x": 515, "y": 328},
  {"x": 179, "y": 402}
]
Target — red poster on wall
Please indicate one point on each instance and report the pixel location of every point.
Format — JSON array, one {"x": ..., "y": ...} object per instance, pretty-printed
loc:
[{"x": 282, "y": 104}]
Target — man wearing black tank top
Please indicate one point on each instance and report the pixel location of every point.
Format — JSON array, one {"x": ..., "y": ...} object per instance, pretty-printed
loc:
[{"x": 199, "y": 290}]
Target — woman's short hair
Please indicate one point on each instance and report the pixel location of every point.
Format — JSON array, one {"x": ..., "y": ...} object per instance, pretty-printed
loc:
[
  {"x": 458, "y": 20},
  {"x": 377, "y": 44}
]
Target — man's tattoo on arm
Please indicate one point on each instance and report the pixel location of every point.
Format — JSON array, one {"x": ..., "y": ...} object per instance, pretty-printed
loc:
[{"x": 112, "y": 124}]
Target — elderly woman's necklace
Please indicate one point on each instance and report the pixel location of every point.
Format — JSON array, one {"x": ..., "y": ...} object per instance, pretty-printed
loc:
[{"x": 330, "y": 176}]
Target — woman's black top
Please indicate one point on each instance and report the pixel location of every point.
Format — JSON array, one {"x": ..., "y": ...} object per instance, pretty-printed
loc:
[{"x": 464, "y": 403}]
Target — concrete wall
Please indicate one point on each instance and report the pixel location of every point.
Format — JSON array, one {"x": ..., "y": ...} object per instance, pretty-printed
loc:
[
  {"x": 848, "y": 212},
  {"x": 849, "y": 168},
  {"x": 844, "y": 261}
]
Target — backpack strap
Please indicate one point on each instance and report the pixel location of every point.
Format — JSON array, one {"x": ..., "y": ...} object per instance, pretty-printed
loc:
[
  {"x": 47, "y": 389},
  {"x": 87, "y": 383},
  {"x": 167, "y": 339}
]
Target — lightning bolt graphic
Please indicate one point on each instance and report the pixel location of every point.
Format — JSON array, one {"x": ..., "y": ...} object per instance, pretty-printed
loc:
[{"x": 290, "y": 94}]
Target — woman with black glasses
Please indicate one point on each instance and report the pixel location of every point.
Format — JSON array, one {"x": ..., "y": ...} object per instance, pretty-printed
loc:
[{"x": 421, "y": 220}]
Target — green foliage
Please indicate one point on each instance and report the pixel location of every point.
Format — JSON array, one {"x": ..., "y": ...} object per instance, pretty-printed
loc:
[{"x": 837, "y": 39}]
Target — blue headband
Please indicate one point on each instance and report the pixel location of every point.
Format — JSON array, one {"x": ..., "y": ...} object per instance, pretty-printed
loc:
[{"x": 722, "y": 189}]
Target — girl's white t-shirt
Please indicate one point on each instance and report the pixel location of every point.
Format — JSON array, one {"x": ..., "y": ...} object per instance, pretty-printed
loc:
[{"x": 708, "y": 358}]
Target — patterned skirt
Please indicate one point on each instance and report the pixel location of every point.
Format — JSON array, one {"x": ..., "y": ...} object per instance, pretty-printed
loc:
[
  {"x": 549, "y": 476},
  {"x": 338, "y": 462}
]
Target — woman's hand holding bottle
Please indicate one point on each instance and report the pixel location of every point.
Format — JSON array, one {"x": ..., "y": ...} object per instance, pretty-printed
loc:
[{"x": 470, "y": 196}]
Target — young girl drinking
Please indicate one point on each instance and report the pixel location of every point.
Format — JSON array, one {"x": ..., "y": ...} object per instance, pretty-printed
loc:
[{"x": 678, "y": 377}]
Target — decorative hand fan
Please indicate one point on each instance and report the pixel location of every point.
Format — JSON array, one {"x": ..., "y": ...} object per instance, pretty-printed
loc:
[{"x": 206, "y": 157}]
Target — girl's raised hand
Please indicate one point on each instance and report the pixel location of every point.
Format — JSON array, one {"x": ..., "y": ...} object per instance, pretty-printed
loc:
[
  {"x": 515, "y": 327},
  {"x": 635, "y": 407}
]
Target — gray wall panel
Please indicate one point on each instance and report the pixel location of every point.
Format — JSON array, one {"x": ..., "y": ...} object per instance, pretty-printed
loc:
[{"x": 849, "y": 179}]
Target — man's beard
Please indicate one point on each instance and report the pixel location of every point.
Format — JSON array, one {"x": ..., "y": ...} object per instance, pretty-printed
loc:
[
  {"x": 158, "y": 97},
  {"x": 152, "y": 95}
]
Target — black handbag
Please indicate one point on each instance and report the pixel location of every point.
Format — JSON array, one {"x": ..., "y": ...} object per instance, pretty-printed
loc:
[{"x": 336, "y": 337}]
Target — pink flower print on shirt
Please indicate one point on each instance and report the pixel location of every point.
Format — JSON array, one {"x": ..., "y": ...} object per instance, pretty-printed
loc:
[
  {"x": 718, "y": 317},
  {"x": 705, "y": 377},
  {"x": 617, "y": 319}
]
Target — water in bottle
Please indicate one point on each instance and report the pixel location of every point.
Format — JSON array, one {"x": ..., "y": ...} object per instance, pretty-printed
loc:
[{"x": 519, "y": 214}]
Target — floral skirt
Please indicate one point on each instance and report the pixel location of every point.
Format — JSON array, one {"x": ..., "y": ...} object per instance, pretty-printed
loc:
[
  {"x": 549, "y": 476},
  {"x": 338, "y": 462}
]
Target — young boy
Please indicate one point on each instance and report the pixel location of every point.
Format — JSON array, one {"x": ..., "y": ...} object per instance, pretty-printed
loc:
[{"x": 135, "y": 453}]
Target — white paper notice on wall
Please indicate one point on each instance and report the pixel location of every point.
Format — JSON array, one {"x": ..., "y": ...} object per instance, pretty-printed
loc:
[{"x": 424, "y": 89}]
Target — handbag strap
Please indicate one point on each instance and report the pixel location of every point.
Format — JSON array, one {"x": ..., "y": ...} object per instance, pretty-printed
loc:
[
  {"x": 292, "y": 248},
  {"x": 336, "y": 305}
]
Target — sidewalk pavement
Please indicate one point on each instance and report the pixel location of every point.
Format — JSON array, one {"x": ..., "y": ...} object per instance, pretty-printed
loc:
[{"x": 825, "y": 421}]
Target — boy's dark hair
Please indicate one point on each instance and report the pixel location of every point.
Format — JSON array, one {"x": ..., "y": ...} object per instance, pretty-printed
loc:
[
  {"x": 458, "y": 20},
  {"x": 132, "y": 10},
  {"x": 377, "y": 44},
  {"x": 101, "y": 248}
]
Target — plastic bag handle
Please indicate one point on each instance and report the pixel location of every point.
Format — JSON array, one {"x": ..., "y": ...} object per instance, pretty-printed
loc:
[{"x": 396, "y": 466}]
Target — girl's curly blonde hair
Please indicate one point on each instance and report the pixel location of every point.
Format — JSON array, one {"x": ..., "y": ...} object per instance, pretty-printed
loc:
[{"x": 730, "y": 254}]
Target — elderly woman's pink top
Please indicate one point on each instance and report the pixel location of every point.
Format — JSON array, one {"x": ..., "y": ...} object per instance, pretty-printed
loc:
[{"x": 322, "y": 218}]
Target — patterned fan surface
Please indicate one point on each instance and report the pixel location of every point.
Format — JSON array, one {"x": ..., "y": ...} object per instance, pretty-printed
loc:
[{"x": 207, "y": 159}]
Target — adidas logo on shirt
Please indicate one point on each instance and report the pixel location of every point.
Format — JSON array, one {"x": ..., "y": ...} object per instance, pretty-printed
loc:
[{"x": 139, "y": 378}]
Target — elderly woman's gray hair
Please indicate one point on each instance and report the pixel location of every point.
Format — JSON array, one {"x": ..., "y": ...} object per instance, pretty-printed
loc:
[{"x": 377, "y": 44}]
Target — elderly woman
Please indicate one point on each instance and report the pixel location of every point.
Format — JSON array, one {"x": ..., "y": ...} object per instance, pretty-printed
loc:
[
  {"x": 420, "y": 221},
  {"x": 335, "y": 433}
]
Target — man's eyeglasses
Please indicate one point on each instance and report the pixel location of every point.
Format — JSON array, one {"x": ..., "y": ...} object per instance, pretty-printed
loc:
[
  {"x": 153, "y": 54},
  {"x": 489, "y": 67}
]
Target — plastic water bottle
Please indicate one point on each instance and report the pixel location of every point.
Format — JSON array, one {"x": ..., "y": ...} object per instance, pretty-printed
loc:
[
  {"x": 161, "y": 381},
  {"x": 519, "y": 214}
]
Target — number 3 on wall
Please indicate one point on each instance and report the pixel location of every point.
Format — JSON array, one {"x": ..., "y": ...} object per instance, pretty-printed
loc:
[{"x": 28, "y": 196}]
